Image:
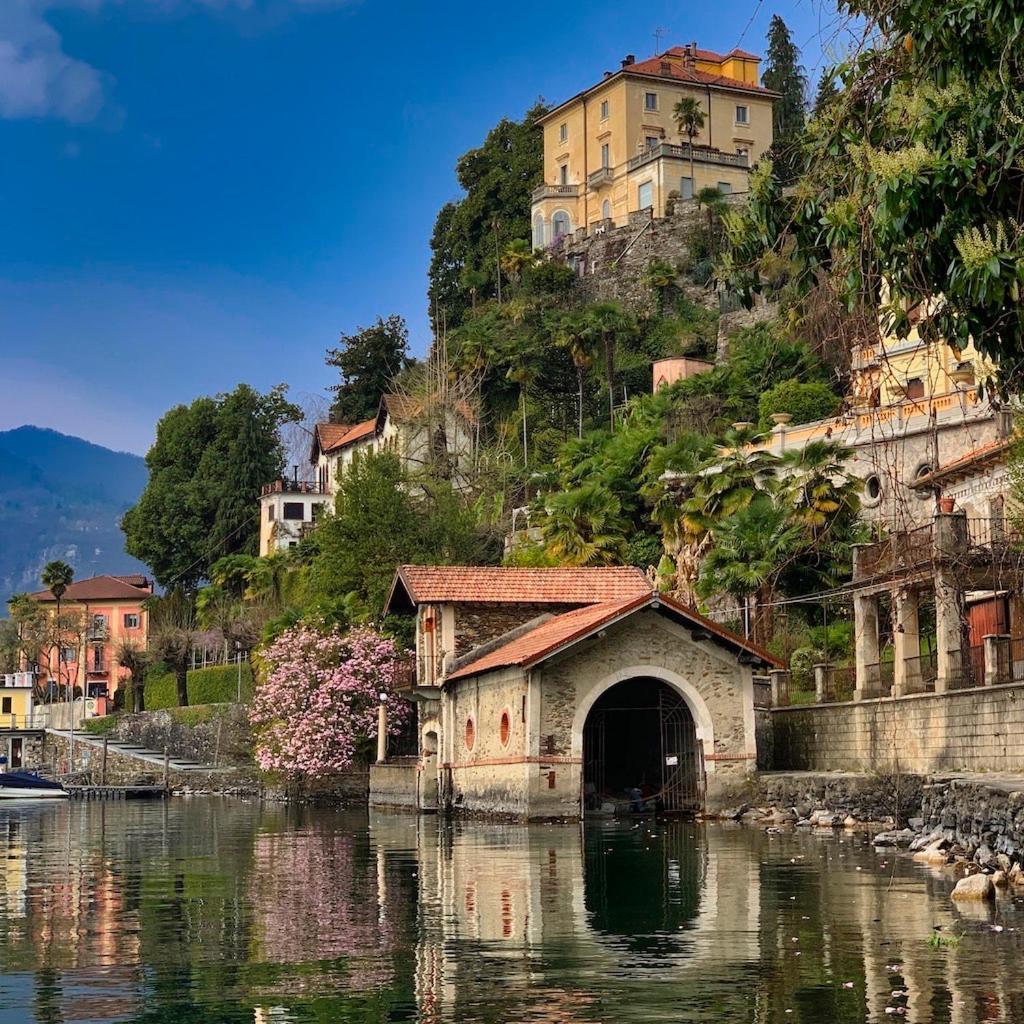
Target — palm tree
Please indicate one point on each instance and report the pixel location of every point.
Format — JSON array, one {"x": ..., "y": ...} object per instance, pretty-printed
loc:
[
  {"x": 57, "y": 577},
  {"x": 752, "y": 548},
  {"x": 818, "y": 485},
  {"x": 584, "y": 526},
  {"x": 610, "y": 322},
  {"x": 689, "y": 118},
  {"x": 713, "y": 201},
  {"x": 573, "y": 334},
  {"x": 518, "y": 255}
]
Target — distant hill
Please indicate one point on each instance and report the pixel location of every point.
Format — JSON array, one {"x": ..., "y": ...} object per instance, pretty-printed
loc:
[{"x": 62, "y": 497}]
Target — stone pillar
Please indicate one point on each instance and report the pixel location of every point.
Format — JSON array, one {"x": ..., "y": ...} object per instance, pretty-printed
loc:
[
  {"x": 997, "y": 658},
  {"x": 780, "y": 687},
  {"x": 822, "y": 679},
  {"x": 382, "y": 733},
  {"x": 906, "y": 643},
  {"x": 949, "y": 540},
  {"x": 865, "y": 633}
]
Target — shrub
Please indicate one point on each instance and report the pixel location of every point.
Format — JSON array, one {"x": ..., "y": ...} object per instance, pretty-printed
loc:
[
  {"x": 216, "y": 684},
  {"x": 805, "y": 401},
  {"x": 644, "y": 550},
  {"x": 99, "y": 726}
]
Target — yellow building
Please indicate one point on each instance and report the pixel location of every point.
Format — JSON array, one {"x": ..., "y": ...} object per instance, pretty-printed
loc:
[{"x": 615, "y": 149}]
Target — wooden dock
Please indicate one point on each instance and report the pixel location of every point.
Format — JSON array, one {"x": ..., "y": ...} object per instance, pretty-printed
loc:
[{"x": 87, "y": 792}]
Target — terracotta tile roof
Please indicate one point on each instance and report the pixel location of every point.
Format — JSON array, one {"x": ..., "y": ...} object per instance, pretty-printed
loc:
[
  {"x": 97, "y": 588},
  {"x": 549, "y": 637},
  {"x": 330, "y": 437},
  {"x": 712, "y": 56},
  {"x": 993, "y": 451},
  {"x": 135, "y": 579},
  {"x": 497, "y": 585},
  {"x": 680, "y": 73}
]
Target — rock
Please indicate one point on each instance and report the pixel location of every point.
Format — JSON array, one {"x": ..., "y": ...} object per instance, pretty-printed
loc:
[
  {"x": 1004, "y": 862},
  {"x": 917, "y": 824},
  {"x": 804, "y": 823},
  {"x": 974, "y": 887},
  {"x": 1000, "y": 880},
  {"x": 984, "y": 856},
  {"x": 921, "y": 842},
  {"x": 933, "y": 854},
  {"x": 849, "y": 821},
  {"x": 900, "y": 837}
]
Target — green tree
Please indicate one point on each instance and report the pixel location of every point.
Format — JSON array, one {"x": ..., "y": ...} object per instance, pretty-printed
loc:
[
  {"x": 517, "y": 256},
  {"x": 368, "y": 361},
  {"x": 206, "y": 468},
  {"x": 827, "y": 92},
  {"x": 805, "y": 401},
  {"x": 497, "y": 179},
  {"x": 571, "y": 332},
  {"x": 689, "y": 117},
  {"x": 584, "y": 526},
  {"x": 784, "y": 74},
  {"x": 610, "y": 323},
  {"x": 172, "y": 635}
]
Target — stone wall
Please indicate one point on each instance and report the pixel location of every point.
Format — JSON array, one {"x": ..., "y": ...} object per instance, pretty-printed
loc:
[
  {"x": 222, "y": 739},
  {"x": 395, "y": 784},
  {"x": 476, "y": 624},
  {"x": 985, "y": 819},
  {"x": 967, "y": 730}
]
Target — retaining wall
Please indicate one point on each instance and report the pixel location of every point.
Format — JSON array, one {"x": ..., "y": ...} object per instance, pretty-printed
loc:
[
  {"x": 394, "y": 784},
  {"x": 968, "y": 730}
]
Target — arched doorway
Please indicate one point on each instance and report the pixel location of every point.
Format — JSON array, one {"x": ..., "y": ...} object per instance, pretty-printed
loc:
[
  {"x": 640, "y": 735},
  {"x": 428, "y": 772}
]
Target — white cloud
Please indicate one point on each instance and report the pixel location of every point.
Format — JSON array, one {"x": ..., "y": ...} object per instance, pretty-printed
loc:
[{"x": 38, "y": 79}]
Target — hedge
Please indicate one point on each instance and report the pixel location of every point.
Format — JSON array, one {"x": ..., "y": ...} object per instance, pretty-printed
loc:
[
  {"x": 217, "y": 684},
  {"x": 805, "y": 401}
]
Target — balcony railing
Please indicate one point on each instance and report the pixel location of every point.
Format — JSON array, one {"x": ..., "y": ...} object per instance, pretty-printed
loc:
[
  {"x": 405, "y": 675},
  {"x": 701, "y": 154},
  {"x": 292, "y": 487},
  {"x": 555, "y": 191},
  {"x": 18, "y": 723},
  {"x": 97, "y": 632},
  {"x": 602, "y": 176},
  {"x": 18, "y": 680}
]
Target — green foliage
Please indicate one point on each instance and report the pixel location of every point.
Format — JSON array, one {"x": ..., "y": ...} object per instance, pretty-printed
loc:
[
  {"x": 206, "y": 468},
  {"x": 584, "y": 526},
  {"x": 100, "y": 726},
  {"x": 805, "y": 401},
  {"x": 379, "y": 523},
  {"x": 216, "y": 684},
  {"x": 784, "y": 74},
  {"x": 57, "y": 577},
  {"x": 912, "y": 180},
  {"x": 469, "y": 234},
  {"x": 644, "y": 550},
  {"x": 368, "y": 361}
]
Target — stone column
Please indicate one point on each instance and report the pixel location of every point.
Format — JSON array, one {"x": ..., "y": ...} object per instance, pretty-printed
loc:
[
  {"x": 822, "y": 678},
  {"x": 906, "y": 643},
  {"x": 997, "y": 658},
  {"x": 780, "y": 687},
  {"x": 949, "y": 540},
  {"x": 865, "y": 633},
  {"x": 382, "y": 733}
]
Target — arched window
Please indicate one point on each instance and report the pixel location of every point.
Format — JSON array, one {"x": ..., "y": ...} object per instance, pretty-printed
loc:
[
  {"x": 606, "y": 210},
  {"x": 560, "y": 225},
  {"x": 538, "y": 232}
]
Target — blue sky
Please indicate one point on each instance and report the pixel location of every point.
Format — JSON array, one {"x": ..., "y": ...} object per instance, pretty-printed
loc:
[{"x": 199, "y": 192}]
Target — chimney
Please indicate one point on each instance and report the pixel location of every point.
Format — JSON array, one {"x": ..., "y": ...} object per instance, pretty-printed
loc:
[
  {"x": 628, "y": 60},
  {"x": 607, "y": 74}
]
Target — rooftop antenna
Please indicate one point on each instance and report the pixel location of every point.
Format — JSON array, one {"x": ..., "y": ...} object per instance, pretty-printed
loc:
[{"x": 658, "y": 33}]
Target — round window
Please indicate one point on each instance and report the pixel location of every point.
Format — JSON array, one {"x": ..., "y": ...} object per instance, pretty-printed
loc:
[
  {"x": 873, "y": 488},
  {"x": 506, "y": 728},
  {"x": 470, "y": 733}
]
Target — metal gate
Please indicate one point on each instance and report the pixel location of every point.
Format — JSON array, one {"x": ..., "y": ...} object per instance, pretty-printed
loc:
[
  {"x": 682, "y": 787},
  {"x": 593, "y": 750}
]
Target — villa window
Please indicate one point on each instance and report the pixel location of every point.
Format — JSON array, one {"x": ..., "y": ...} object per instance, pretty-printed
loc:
[
  {"x": 560, "y": 225},
  {"x": 563, "y": 174},
  {"x": 604, "y": 110},
  {"x": 650, "y": 101},
  {"x": 651, "y": 142},
  {"x": 686, "y": 188},
  {"x": 270, "y": 513},
  {"x": 915, "y": 388},
  {"x": 68, "y": 655},
  {"x": 97, "y": 659},
  {"x": 645, "y": 195},
  {"x": 606, "y": 155},
  {"x": 7, "y": 706},
  {"x": 563, "y": 133},
  {"x": 294, "y": 510},
  {"x": 131, "y": 620},
  {"x": 725, "y": 187},
  {"x": 606, "y": 210},
  {"x": 873, "y": 489},
  {"x": 742, "y": 115}
]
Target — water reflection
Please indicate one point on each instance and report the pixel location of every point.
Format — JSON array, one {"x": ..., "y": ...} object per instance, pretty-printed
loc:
[{"x": 208, "y": 911}]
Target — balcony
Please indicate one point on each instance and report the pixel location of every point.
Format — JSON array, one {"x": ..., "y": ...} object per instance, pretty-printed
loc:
[
  {"x": 701, "y": 155},
  {"x": 292, "y": 487},
  {"x": 97, "y": 632},
  {"x": 555, "y": 192},
  {"x": 602, "y": 176}
]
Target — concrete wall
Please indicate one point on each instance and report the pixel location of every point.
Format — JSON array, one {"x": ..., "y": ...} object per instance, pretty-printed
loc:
[
  {"x": 395, "y": 784},
  {"x": 970, "y": 730}
]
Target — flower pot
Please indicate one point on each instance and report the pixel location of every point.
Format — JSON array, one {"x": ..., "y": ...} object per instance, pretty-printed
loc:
[
  {"x": 780, "y": 419},
  {"x": 946, "y": 505}
]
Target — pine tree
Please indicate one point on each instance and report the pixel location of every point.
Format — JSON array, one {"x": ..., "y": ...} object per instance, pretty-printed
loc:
[
  {"x": 827, "y": 92},
  {"x": 785, "y": 75}
]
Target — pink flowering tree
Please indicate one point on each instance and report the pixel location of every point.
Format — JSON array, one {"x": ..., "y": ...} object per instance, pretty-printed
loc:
[{"x": 315, "y": 706}]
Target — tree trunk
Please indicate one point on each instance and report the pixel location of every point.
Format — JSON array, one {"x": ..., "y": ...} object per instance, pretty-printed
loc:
[
  {"x": 138, "y": 696},
  {"x": 609, "y": 364},
  {"x": 763, "y": 617},
  {"x": 522, "y": 399},
  {"x": 579, "y": 377},
  {"x": 181, "y": 683},
  {"x": 693, "y": 180}
]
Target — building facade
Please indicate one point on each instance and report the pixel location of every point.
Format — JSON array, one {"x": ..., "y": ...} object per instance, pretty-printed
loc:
[
  {"x": 98, "y": 615},
  {"x": 545, "y": 693},
  {"x": 614, "y": 149}
]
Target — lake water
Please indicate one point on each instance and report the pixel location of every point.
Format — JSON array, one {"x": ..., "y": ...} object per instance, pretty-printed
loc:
[{"x": 208, "y": 910}]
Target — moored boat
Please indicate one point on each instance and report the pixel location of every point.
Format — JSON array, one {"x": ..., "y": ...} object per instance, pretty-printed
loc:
[{"x": 28, "y": 786}]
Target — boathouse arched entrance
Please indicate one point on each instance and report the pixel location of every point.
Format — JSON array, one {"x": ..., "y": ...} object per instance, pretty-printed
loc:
[{"x": 640, "y": 734}]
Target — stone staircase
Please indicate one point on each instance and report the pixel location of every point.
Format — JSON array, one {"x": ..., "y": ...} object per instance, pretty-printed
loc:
[{"x": 143, "y": 754}]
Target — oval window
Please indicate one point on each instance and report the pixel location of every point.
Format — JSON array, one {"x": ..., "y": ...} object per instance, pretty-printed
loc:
[
  {"x": 873, "y": 488},
  {"x": 470, "y": 733},
  {"x": 506, "y": 728}
]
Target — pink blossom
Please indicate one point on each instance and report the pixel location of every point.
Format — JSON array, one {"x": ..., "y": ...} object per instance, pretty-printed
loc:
[{"x": 315, "y": 706}]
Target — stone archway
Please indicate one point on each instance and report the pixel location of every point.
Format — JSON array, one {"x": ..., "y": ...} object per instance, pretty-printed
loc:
[{"x": 659, "y": 727}]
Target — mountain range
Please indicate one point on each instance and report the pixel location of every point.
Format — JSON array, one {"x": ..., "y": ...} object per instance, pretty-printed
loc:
[{"x": 62, "y": 497}]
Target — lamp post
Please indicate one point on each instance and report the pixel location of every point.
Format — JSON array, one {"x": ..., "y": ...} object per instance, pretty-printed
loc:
[
  {"x": 382, "y": 730},
  {"x": 238, "y": 658}
]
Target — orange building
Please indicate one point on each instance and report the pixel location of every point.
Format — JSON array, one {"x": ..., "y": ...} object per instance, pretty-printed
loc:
[{"x": 101, "y": 613}]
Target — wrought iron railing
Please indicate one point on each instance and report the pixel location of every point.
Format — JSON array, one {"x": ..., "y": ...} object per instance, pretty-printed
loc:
[
  {"x": 405, "y": 675},
  {"x": 900, "y": 551},
  {"x": 840, "y": 682}
]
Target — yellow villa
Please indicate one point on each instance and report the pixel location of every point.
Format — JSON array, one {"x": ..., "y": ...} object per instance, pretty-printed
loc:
[{"x": 615, "y": 149}]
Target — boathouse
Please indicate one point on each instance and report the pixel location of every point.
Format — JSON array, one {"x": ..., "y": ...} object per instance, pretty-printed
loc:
[{"x": 545, "y": 692}]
